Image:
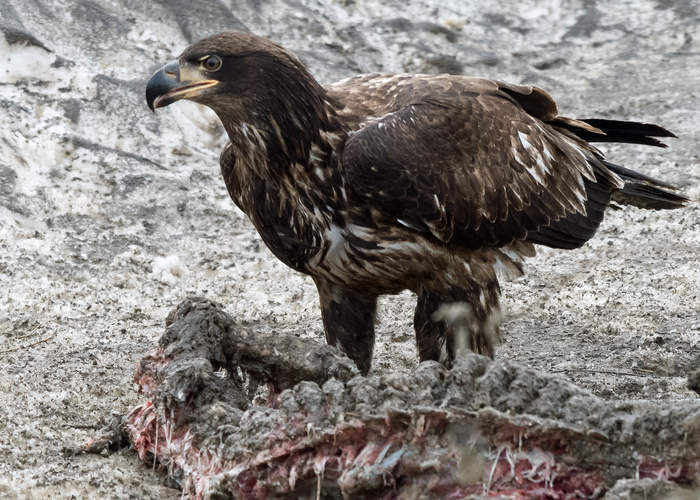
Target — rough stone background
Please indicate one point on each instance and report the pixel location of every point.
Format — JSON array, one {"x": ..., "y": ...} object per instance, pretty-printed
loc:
[{"x": 110, "y": 215}]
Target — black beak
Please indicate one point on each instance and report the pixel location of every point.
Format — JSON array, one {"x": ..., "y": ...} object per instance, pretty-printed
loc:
[
  {"x": 165, "y": 86},
  {"x": 165, "y": 80}
]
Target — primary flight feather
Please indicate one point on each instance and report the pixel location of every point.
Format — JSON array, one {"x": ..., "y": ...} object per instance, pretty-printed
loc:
[{"x": 386, "y": 182}]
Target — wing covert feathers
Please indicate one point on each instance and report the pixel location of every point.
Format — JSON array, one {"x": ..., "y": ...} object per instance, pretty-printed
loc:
[{"x": 478, "y": 162}]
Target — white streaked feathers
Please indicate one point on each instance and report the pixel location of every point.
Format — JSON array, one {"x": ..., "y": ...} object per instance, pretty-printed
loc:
[{"x": 523, "y": 140}]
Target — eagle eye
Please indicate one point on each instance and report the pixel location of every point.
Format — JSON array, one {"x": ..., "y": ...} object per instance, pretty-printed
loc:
[{"x": 211, "y": 64}]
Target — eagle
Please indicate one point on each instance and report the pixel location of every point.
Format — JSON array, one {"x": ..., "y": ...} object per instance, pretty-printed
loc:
[{"x": 381, "y": 183}]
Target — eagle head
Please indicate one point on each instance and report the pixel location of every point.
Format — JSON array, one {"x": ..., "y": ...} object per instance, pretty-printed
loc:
[{"x": 231, "y": 72}]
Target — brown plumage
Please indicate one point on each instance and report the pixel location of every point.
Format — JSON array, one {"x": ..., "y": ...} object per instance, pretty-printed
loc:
[{"x": 382, "y": 183}]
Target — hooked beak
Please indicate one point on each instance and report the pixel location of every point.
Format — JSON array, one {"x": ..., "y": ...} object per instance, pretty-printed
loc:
[{"x": 165, "y": 86}]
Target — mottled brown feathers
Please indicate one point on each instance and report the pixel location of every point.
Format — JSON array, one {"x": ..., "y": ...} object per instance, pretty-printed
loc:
[
  {"x": 473, "y": 171},
  {"x": 432, "y": 183}
]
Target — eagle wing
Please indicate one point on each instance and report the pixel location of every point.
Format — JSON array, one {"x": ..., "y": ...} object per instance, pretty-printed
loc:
[{"x": 474, "y": 166}]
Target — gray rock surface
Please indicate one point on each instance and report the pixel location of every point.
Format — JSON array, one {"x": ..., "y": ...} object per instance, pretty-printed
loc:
[{"x": 110, "y": 215}]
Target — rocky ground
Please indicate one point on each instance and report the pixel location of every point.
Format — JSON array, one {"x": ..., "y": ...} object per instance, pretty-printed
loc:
[{"x": 110, "y": 215}]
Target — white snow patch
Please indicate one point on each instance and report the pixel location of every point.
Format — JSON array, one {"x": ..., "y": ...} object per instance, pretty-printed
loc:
[
  {"x": 21, "y": 61},
  {"x": 169, "y": 268}
]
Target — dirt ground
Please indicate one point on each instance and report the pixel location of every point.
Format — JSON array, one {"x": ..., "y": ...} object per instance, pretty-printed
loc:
[{"x": 110, "y": 215}]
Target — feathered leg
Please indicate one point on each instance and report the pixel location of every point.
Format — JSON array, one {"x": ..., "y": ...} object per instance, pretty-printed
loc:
[
  {"x": 348, "y": 320},
  {"x": 441, "y": 315}
]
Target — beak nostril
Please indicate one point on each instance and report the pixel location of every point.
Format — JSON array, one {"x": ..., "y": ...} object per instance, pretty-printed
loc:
[{"x": 172, "y": 70}]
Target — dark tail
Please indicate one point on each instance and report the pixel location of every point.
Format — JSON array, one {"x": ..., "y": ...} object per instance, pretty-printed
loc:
[
  {"x": 619, "y": 131},
  {"x": 640, "y": 190}
]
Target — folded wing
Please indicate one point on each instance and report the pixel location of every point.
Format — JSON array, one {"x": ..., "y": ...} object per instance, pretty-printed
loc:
[{"x": 473, "y": 166}]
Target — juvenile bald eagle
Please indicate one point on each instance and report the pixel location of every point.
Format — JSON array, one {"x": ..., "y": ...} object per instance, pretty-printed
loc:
[{"x": 386, "y": 182}]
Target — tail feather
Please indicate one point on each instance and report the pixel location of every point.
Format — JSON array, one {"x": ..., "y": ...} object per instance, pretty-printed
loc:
[
  {"x": 642, "y": 191},
  {"x": 639, "y": 190},
  {"x": 616, "y": 131}
]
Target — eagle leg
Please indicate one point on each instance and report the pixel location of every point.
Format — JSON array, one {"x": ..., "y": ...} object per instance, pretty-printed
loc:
[
  {"x": 348, "y": 320},
  {"x": 437, "y": 321}
]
